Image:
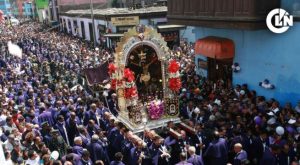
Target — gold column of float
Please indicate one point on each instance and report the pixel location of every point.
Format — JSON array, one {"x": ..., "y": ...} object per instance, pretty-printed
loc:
[
  {"x": 163, "y": 71},
  {"x": 120, "y": 89}
]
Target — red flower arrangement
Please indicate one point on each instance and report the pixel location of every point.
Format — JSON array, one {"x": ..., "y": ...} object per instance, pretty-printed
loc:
[
  {"x": 128, "y": 75},
  {"x": 130, "y": 92},
  {"x": 173, "y": 66},
  {"x": 111, "y": 68},
  {"x": 111, "y": 71},
  {"x": 113, "y": 84},
  {"x": 175, "y": 84},
  {"x": 130, "y": 88},
  {"x": 174, "y": 76}
]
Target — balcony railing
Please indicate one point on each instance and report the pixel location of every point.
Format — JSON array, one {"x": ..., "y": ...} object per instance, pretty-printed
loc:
[{"x": 220, "y": 13}]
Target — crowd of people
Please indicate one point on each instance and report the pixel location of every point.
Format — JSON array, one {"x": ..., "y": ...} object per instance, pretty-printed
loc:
[{"x": 45, "y": 120}]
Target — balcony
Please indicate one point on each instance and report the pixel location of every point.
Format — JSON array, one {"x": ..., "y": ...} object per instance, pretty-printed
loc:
[{"x": 237, "y": 14}]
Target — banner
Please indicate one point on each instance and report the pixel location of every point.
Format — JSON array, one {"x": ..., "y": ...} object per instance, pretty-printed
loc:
[
  {"x": 41, "y": 4},
  {"x": 97, "y": 75},
  {"x": 122, "y": 21}
]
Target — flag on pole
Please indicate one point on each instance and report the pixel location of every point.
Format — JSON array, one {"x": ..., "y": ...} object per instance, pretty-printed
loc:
[
  {"x": 2, "y": 156},
  {"x": 14, "y": 49},
  {"x": 97, "y": 75}
]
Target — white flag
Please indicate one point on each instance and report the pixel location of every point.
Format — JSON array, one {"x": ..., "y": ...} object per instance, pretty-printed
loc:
[
  {"x": 2, "y": 156},
  {"x": 14, "y": 49}
]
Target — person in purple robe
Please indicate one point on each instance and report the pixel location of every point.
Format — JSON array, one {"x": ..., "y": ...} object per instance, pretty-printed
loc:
[
  {"x": 77, "y": 148},
  {"x": 71, "y": 125},
  {"x": 126, "y": 146},
  {"x": 61, "y": 126},
  {"x": 271, "y": 155},
  {"x": 102, "y": 109},
  {"x": 183, "y": 158},
  {"x": 186, "y": 112},
  {"x": 241, "y": 157},
  {"x": 217, "y": 151},
  {"x": 90, "y": 115},
  {"x": 113, "y": 105},
  {"x": 288, "y": 154},
  {"x": 86, "y": 138},
  {"x": 259, "y": 146},
  {"x": 85, "y": 158},
  {"x": 194, "y": 159},
  {"x": 76, "y": 157},
  {"x": 92, "y": 128},
  {"x": 96, "y": 150},
  {"x": 56, "y": 111},
  {"x": 180, "y": 146},
  {"x": 159, "y": 152},
  {"x": 136, "y": 157},
  {"x": 45, "y": 116},
  {"x": 118, "y": 138},
  {"x": 118, "y": 159},
  {"x": 31, "y": 118},
  {"x": 237, "y": 138}
]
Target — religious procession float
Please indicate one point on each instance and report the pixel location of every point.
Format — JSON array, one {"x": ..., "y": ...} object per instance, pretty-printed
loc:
[{"x": 146, "y": 80}]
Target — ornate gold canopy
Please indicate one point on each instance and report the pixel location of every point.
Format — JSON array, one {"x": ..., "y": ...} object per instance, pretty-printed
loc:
[{"x": 136, "y": 37}]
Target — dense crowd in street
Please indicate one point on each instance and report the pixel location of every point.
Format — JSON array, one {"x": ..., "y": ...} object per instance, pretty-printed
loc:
[{"x": 45, "y": 120}]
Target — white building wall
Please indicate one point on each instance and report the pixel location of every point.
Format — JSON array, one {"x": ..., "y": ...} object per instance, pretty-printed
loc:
[
  {"x": 86, "y": 27},
  {"x": 73, "y": 26},
  {"x": 101, "y": 22}
]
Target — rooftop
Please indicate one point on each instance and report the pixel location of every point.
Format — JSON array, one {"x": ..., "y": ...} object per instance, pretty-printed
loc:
[{"x": 119, "y": 11}]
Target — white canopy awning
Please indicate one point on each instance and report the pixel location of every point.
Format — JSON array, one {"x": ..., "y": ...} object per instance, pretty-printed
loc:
[
  {"x": 113, "y": 35},
  {"x": 170, "y": 26}
]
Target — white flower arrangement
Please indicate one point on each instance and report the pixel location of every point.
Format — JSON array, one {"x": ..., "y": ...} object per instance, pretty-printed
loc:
[
  {"x": 174, "y": 75},
  {"x": 113, "y": 75},
  {"x": 129, "y": 84},
  {"x": 266, "y": 84},
  {"x": 236, "y": 67}
]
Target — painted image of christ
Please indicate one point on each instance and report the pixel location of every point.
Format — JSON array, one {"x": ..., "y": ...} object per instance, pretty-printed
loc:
[{"x": 143, "y": 61}]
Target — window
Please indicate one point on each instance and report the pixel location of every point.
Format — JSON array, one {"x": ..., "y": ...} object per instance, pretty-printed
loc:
[
  {"x": 101, "y": 29},
  {"x": 123, "y": 29},
  {"x": 296, "y": 9}
]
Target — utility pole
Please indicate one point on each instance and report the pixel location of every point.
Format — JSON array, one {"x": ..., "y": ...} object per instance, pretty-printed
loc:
[{"x": 93, "y": 22}]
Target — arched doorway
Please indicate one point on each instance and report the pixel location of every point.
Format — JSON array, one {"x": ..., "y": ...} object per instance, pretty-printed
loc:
[{"x": 144, "y": 62}]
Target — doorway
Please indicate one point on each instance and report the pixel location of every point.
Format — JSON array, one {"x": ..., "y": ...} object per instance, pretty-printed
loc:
[
  {"x": 82, "y": 30},
  {"x": 220, "y": 69},
  {"x": 91, "y": 32}
]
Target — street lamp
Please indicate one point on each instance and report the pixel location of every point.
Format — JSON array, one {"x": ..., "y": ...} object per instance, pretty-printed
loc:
[{"x": 93, "y": 22}]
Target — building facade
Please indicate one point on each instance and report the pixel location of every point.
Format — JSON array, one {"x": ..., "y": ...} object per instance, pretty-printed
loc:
[
  {"x": 240, "y": 29},
  {"x": 19, "y": 4},
  {"x": 66, "y": 5},
  {"x": 42, "y": 9},
  {"x": 111, "y": 23},
  {"x": 5, "y": 7},
  {"x": 53, "y": 9},
  {"x": 28, "y": 10}
]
